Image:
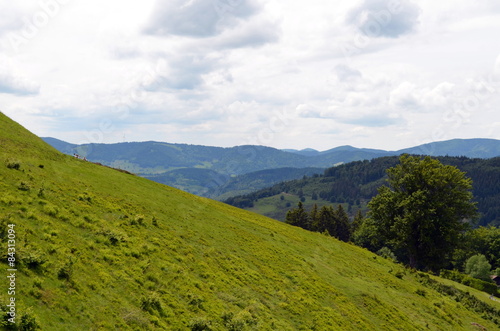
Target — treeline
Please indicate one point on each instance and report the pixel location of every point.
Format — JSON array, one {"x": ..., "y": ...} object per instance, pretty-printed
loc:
[
  {"x": 334, "y": 222},
  {"x": 357, "y": 182}
]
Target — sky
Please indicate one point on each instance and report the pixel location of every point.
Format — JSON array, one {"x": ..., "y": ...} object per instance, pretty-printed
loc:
[{"x": 287, "y": 74}]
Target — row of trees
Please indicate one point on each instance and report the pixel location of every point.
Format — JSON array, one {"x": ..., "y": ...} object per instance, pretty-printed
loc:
[{"x": 335, "y": 222}]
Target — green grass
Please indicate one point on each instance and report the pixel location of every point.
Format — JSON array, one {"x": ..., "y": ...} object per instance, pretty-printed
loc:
[{"x": 98, "y": 249}]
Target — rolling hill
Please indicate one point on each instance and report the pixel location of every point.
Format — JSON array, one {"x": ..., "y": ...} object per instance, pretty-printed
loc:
[{"x": 97, "y": 248}]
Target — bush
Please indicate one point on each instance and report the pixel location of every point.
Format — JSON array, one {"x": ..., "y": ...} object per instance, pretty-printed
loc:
[
  {"x": 23, "y": 186},
  {"x": 152, "y": 303},
  {"x": 34, "y": 261},
  {"x": 477, "y": 266},
  {"x": 28, "y": 322},
  {"x": 478, "y": 284},
  {"x": 13, "y": 164},
  {"x": 200, "y": 324},
  {"x": 385, "y": 252},
  {"x": 66, "y": 272}
]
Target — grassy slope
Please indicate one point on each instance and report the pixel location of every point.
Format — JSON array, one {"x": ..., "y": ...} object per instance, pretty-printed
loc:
[{"x": 203, "y": 263}]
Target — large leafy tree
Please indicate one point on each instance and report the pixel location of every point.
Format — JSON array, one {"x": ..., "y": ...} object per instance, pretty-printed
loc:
[{"x": 423, "y": 211}]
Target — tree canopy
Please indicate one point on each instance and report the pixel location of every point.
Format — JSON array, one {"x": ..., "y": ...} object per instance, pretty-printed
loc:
[{"x": 422, "y": 212}]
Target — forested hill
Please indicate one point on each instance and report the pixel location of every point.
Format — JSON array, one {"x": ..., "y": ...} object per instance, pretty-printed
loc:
[{"x": 355, "y": 183}]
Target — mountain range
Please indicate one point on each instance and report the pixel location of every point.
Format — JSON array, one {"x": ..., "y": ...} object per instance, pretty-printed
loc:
[{"x": 216, "y": 172}]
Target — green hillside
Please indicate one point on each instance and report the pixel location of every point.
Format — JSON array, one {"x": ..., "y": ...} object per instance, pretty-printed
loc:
[{"x": 99, "y": 249}]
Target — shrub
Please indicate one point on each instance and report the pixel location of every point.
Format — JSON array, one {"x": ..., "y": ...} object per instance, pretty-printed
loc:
[
  {"x": 28, "y": 322},
  {"x": 200, "y": 324},
  {"x": 66, "y": 272},
  {"x": 478, "y": 284},
  {"x": 13, "y": 164},
  {"x": 34, "y": 261},
  {"x": 152, "y": 303},
  {"x": 477, "y": 266},
  {"x": 23, "y": 186},
  {"x": 385, "y": 252}
]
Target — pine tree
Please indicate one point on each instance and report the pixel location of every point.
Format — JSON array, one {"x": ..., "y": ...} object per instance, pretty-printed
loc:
[
  {"x": 356, "y": 223},
  {"x": 342, "y": 227},
  {"x": 314, "y": 218},
  {"x": 298, "y": 217}
]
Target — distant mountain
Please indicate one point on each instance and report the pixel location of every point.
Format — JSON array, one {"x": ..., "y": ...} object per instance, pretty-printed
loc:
[
  {"x": 474, "y": 148},
  {"x": 306, "y": 152},
  {"x": 60, "y": 145},
  {"x": 214, "y": 167}
]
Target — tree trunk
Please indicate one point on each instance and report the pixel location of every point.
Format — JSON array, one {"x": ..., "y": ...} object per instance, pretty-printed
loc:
[{"x": 413, "y": 261}]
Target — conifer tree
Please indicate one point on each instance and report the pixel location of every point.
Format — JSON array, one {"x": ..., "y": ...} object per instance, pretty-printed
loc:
[
  {"x": 298, "y": 217},
  {"x": 341, "y": 224},
  {"x": 314, "y": 218}
]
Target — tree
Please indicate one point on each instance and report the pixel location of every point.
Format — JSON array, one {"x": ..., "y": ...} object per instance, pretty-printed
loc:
[
  {"x": 358, "y": 220},
  {"x": 298, "y": 217},
  {"x": 325, "y": 220},
  {"x": 477, "y": 266},
  {"x": 314, "y": 218},
  {"x": 423, "y": 212},
  {"x": 342, "y": 226}
]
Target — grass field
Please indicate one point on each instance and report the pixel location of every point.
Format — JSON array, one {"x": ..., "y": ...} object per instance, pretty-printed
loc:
[{"x": 98, "y": 249}]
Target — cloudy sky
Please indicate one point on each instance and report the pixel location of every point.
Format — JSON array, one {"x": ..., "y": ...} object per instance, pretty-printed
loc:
[{"x": 287, "y": 74}]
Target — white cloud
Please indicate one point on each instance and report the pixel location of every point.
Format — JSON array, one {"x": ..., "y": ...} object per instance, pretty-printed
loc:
[
  {"x": 217, "y": 72},
  {"x": 198, "y": 18},
  {"x": 12, "y": 82},
  {"x": 379, "y": 18}
]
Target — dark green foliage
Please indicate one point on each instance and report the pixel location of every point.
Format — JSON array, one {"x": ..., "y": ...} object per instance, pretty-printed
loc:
[
  {"x": 298, "y": 217},
  {"x": 481, "y": 285},
  {"x": 33, "y": 260},
  {"x": 334, "y": 222},
  {"x": 385, "y": 252},
  {"x": 482, "y": 240},
  {"x": 200, "y": 324},
  {"x": 366, "y": 235},
  {"x": 152, "y": 304},
  {"x": 28, "y": 322},
  {"x": 24, "y": 186},
  {"x": 13, "y": 164},
  {"x": 66, "y": 271},
  {"x": 422, "y": 213},
  {"x": 356, "y": 223}
]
